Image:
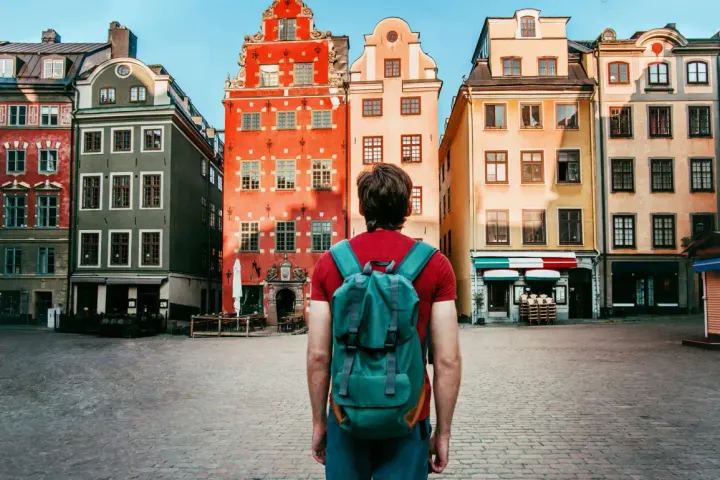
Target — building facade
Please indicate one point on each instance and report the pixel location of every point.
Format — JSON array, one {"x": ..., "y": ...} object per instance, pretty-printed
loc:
[
  {"x": 286, "y": 134},
  {"x": 394, "y": 92},
  {"x": 519, "y": 172},
  {"x": 36, "y": 103},
  {"x": 658, "y": 109},
  {"x": 147, "y": 237}
]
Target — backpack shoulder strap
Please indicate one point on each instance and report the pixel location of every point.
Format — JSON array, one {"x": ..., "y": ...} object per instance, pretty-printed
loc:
[
  {"x": 345, "y": 259},
  {"x": 415, "y": 260}
]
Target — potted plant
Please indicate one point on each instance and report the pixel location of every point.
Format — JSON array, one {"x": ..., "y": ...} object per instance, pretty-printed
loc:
[{"x": 479, "y": 300}]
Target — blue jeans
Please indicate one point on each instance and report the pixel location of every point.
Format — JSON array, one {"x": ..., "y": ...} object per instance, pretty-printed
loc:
[{"x": 404, "y": 458}]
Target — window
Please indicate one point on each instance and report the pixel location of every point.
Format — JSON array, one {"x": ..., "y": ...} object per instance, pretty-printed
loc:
[
  {"x": 533, "y": 227},
  {"x": 250, "y": 175},
  {"x": 91, "y": 186},
  {"x": 372, "y": 150},
  {"x": 547, "y": 67},
  {"x": 15, "y": 161},
  {"x": 701, "y": 175},
  {"x": 410, "y": 106},
  {"x": 702, "y": 224},
  {"x": 496, "y": 167},
  {"x": 48, "y": 161},
  {"x": 448, "y": 200},
  {"x": 570, "y": 227},
  {"x": 411, "y": 148},
  {"x": 119, "y": 249},
  {"x": 285, "y": 236},
  {"x": 150, "y": 249},
  {"x": 532, "y": 167},
  {"x": 46, "y": 261},
  {"x": 511, "y": 67},
  {"x": 449, "y": 244},
  {"x": 447, "y": 162},
  {"x": 285, "y": 174},
  {"x": 49, "y": 115},
  {"x": 392, "y": 67},
  {"x": 697, "y": 72},
  {"x": 138, "y": 94},
  {"x": 662, "y": 175},
  {"x": 618, "y": 73},
  {"x": 249, "y": 237},
  {"x": 417, "y": 200},
  {"x": 699, "y": 122},
  {"x": 568, "y": 166},
  {"x": 212, "y": 215},
  {"x": 203, "y": 210},
  {"x": 122, "y": 141},
  {"x": 620, "y": 122},
  {"x": 623, "y": 176},
  {"x": 18, "y": 115},
  {"x": 658, "y": 74},
  {"x": 286, "y": 29},
  {"x": 219, "y": 219},
  {"x": 663, "y": 231},
  {"x": 53, "y": 68},
  {"x": 269, "y": 76},
  {"x": 121, "y": 191},
  {"x": 15, "y": 211},
  {"x": 285, "y": 120},
  {"x": 250, "y": 122},
  {"x": 153, "y": 139},
  {"x": 660, "y": 122},
  {"x": 623, "y": 231},
  {"x": 322, "y": 119},
  {"x": 13, "y": 261},
  {"x": 303, "y": 74},
  {"x": 89, "y": 249},
  {"x": 372, "y": 107},
  {"x": 567, "y": 115},
  {"x": 7, "y": 68},
  {"x": 93, "y": 142},
  {"x": 321, "y": 236},
  {"x": 498, "y": 228},
  {"x": 46, "y": 211},
  {"x": 444, "y": 211},
  {"x": 220, "y": 182},
  {"x": 107, "y": 95},
  {"x": 321, "y": 174},
  {"x": 495, "y": 116},
  {"x": 203, "y": 167},
  {"x": 152, "y": 190},
  {"x": 212, "y": 176},
  {"x": 527, "y": 27},
  {"x": 531, "y": 116}
]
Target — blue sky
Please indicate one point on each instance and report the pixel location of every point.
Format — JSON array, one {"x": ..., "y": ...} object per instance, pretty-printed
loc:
[{"x": 198, "y": 41}]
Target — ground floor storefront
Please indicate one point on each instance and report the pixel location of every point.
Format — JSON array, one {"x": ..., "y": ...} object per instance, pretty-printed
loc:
[
  {"x": 499, "y": 279},
  {"x": 27, "y": 299}
]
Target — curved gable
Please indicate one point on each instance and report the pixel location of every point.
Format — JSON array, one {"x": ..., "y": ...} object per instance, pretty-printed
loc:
[{"x": 671, "y": 36}]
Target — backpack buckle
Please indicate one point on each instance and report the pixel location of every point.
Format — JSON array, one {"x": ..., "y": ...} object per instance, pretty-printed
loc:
[
  {"x": 391, "y": 339},
  {"x": 352, "y": 341}
]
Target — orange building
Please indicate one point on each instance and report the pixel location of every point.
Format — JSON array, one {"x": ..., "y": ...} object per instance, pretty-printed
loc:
[{"x": 285, "y": 134}]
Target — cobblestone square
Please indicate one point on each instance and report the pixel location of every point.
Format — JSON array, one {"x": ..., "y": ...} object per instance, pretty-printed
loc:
[{"x": 623, "y": 401}]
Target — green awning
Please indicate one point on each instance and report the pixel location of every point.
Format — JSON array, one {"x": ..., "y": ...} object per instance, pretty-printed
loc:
[
  {"x": 492, "y": 262},
  {"x": 501, "y": 275}
]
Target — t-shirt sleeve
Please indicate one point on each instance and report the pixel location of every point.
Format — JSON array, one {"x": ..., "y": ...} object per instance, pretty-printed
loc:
[
  {"x": 319, "y": 289},
  {"x": 445, "y": 289}
]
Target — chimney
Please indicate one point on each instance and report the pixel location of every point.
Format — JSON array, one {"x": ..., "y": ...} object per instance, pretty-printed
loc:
[
  {"x": 50, "y": 36},
  {"x": 123, "y": 44},
  {"x": 671, "y": 26}
]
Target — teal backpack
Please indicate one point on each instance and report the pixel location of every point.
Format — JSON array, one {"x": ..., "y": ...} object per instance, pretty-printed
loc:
[{"x": 378, "y": 364}]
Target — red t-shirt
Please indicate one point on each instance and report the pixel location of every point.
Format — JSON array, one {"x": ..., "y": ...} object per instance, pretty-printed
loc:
[{"x": 436, "y": 283}]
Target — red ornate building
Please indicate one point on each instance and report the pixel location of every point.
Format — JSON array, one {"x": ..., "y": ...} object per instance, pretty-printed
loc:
[{"x": 286, "y": 154}]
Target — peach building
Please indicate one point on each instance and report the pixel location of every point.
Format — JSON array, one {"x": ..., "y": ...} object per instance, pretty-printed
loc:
[
  {"x": 658, "y": 102},
  {"x": 393, "y": 119},
  {"x": 517, "y": 169}
]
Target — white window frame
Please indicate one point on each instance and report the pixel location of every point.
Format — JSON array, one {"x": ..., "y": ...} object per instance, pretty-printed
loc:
[
  {"x": 203, "y": 167},
  {"x": 10, "y": 124},
  {"x": 312, "y": 120},
  {"x": 109, "y": 248},
  {"x": 57, "y": 160},
  {"x": 110, "y": 195},
  {"x": 102, "y": 140},
  {"x": 162, "y": 190},
  {"x": 12, "y": 68},
  {"x": 555, "y": 114},
  {"x": 219, "y": 182},
  {"x": 285, "y": 114},
  {"x": 50, "y": 107},
  {"x": 79, "y": 259},
  {"x": 295, "y": 73},
  {"x": 211, "y": 170},
  {"x": 7, "y": 161},
  {"x": 140, "y": 245},
  {"x": 277, "y": 175},
  {"x": 145, "y": 128},
  {"x": 269, "y": 71},
  {"x": 112, "y": 139},
  {"x": 139, "y": 89},
  {"x": 52, "y": 62},
  {"x": 37, "y": 205},
  {"x": 582, "y": 226},
  {"x": 80, "y": 192}
]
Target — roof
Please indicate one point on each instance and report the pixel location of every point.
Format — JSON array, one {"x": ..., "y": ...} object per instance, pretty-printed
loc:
[
  {"x": 481, "y": 77},
  {"x": 51, "y": 48},
  {"x": 29, "y": 60}
]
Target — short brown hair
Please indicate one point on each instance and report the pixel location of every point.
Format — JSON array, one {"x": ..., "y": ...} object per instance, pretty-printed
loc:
[{"x": 384, "y": 195}]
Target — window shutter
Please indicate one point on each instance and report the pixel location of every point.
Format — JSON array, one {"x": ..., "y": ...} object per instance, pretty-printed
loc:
[
  {"x": 65, "y": 114},
  {"x": 3, "y": 114},
  {"x": 33, "y": 114}
]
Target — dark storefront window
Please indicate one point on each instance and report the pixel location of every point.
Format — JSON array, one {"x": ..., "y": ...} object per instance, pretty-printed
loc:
[{"x": 645, "y": 285}]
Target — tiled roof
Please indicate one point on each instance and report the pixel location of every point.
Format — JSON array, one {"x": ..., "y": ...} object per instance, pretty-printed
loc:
[
  {"x": 577, "y": 78},
  {"x": 50, "y": 48}
]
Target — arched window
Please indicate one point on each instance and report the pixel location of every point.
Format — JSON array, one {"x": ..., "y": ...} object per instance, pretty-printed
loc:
[
  {"x": 527, "y": 27},
  {"x": 658, "y": 74},
  {"x": 619, "y": 72},
  {"x": 697, "y": 72}
]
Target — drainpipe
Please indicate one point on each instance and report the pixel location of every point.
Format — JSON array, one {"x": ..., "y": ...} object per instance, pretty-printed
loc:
[
  {"x": 471, "y": 186},
  {"x": 346, "y": 87},
  {"x": 73, "y": 208},
  {"x": 603, "y": 186}
]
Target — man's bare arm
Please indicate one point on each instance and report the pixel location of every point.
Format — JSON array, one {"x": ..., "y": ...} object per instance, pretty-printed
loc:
[
  {"x": 446, "y": 363},
  {"x": 319, "y": 351}
]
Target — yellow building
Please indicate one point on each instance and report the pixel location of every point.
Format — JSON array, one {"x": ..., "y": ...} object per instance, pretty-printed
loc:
[
  {"x": 517, "y": 172},
  {"x": 393, "y": 119}
]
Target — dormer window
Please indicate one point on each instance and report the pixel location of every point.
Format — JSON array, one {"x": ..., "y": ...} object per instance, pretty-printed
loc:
[
  {"x": 286, "y": 29},
  {"x": 511, "y": 67},
  {"x": 138, "y": 94},
  {"x": 53, "y": 68},
  {"x": 527, "y": 27},
  {"x": 107, "y": 95},
  {"x": 7, "y": 68},
  {"x": 658, "y": 74}
]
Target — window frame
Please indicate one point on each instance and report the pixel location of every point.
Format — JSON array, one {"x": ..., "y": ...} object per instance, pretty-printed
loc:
[
  {"x": 311, "y": 81},
  {"x": 697, "y": 73},
  {"x": 284, "y": 28},
  {"x": 413, "y": 196},
  {"x": 13, "y": 71},
  {"x": 322, "y": 234},
  {"x": 111, "y": 199},
  {"x": 541, "y": 124},
  {"x": 264, "y": 76},
  {"x": 525, "y": 28},
  {"x": 547, "y": 59},
  {"x": 81, "y": 233},
  {"x": 410, "y": 111},
  {"x": 138, "y": 89},
  {"x": 285, "y": 114},
  {"x": 658, "y": 83},
  {"x": 613, "y": 187},
  {"x": 15, "y": 262},
  {"x": 542, "y": 167},
  {"x": 624, "y": 246},
  {"x": 321, "y": 125},
  {"x": 141, "y": 263},
  {"x": 285, "y": 171},
  {"x": 558, "y": 152},
  {"x": 699, "y": 108},
  {"x": 658, "y": 109},
  {"x": 246, "y": 126},
  {"x": 48, "y": 208},
  {"x": 81, "y": 192},
  {"x": 560, "y": 211},
  {"x": 16, "y": 171},
  {"x": 53, "y": 62},
  {"x": 693, "y": 223},
  {"x": 391, "y": 62},
  {"x": 544, "y": 226},
  {"x": 6, "y": 210},
  {"x": 47, "y": 151},
  {"x": 504, "y": 125},
  {"x": 44, "y": 269},
  {"x": 115, "y": 130},
  {"x": 370, "y": 102},
  {"x": 110, "y": 96},
  {"x": 85, "y": 132},
  {"x": 110, "y": 263},
  {"x": 618, "y": 81},
  {"x": 250, "y": 172},
  {"x": 660, "y": 216},
  {"x": 373, "y": 148},
  {"x": 320, "y": 173},
  {"x": 621, "y": 109},
  {"x": 412, "y": 138},
  {"x": 286, "y": 233},
  {"x": 142, "y": 190},
  {"x": 654, "y": 161},
  {"x": 50, "y": 116},
  {"x": 710, "y": 161},
  {"x": 512, "y": 66},
  {"x": 497, "y": 227},
  {"x": 250, "y": 235},
  {"x": 577, "y": 116},
  {"x": 495, "y": 162},
  {"x": 17, "y": 115},
  {"x": 143, "y": 145}
]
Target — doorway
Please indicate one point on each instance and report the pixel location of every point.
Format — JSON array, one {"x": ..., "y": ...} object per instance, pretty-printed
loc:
[
  {"x": 285, "y": 303},
  {"x": 499, "y": 298},
  {"x": 148, "y": 300},
  {"x": 116, "y": 299},
  {"x": 43, "y": 302},
  {"x": 580, "y": 297},
  {"x": 87, "y": 297}
]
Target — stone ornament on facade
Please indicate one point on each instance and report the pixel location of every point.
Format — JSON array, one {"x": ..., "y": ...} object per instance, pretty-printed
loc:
[
  {"x": 272, "y": 273},
  {"x": 305, "y": 11}
]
